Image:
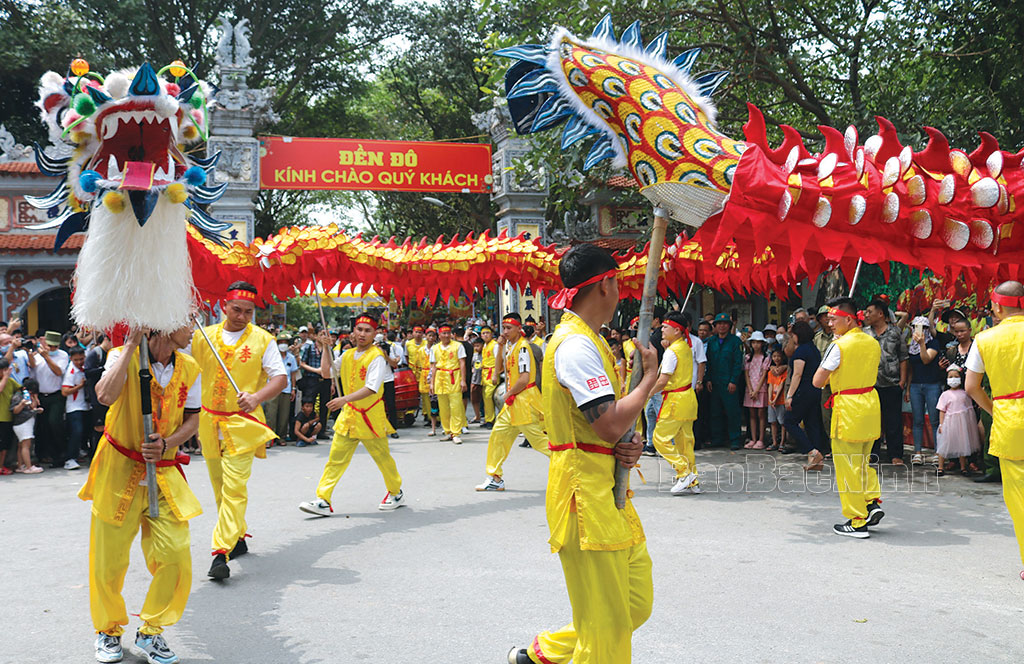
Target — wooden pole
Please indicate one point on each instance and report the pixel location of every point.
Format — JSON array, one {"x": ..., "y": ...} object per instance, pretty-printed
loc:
[
  {"x": 145, "y": 377},
  {"x": 220, "y": 361},
  {"x": 643, "y": 333},
  {"x": 856, "y": 275},
  {"x": 323, "y": 325}
]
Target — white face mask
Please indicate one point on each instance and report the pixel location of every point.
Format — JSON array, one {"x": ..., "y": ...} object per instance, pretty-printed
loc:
[
  {"x": 781, "y": 338},
  {"x": 953, "y": 381},
  {"x": 282, "y": 347}
]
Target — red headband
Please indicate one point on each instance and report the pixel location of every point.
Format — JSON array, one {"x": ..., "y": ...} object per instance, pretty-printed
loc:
[
  {"x": 418, "y": 328},
  {"x": 563, "y": 298},
  {"x": 1007, "y": 300},
  {"x": 681, "y": 328},
  {"x": 366, "y": 319},
  {"x": 238, "y": 294},
  {"x": 836, "y": 311},
  {"x": 445, "y": 328},
  {"x": 636, "y": 320},
  {"x": 511, "y": 321}
]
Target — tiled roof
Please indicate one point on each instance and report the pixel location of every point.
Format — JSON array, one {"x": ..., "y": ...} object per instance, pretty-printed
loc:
[
  {"x": 22, "y": 167},
  {"x": 622, "y": 182},
  {"x": 29, "y": 242}
]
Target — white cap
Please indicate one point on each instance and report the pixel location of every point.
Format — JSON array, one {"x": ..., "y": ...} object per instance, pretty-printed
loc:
[
  {"x": 770, "y": 328},
  {"x": 303, "y": 329},
  {"x": 756, "y": 336}
]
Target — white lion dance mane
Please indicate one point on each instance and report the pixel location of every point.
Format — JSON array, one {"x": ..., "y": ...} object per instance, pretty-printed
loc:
[{"x": 131, "y": 185}]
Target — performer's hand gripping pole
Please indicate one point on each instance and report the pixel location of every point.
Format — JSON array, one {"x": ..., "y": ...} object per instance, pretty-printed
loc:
[
  {"x": 643, "y": 335},
  {"x": 323, "y": 325},
  {"x": 147, "y": 424},
  {"x": 213, "y": 349}
]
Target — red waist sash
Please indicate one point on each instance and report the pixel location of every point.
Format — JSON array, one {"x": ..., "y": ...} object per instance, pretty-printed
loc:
[
  {"x": 586, "y": 447},
  {"x": 180, "y": 458},
  {"x": 1015, "y": 395},
  {"x": 852, "y": 390},
  {"x": 221, "y": 413},
  {"x": 684, "y": 388},
  {"x": 363, "y": 411}
]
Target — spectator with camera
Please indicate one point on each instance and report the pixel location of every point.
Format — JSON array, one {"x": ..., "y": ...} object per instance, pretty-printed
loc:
[{"x": 49, "y": 363}]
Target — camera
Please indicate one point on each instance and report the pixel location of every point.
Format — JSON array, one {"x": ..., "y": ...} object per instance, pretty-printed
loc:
[{"x": 28, "y": 344}]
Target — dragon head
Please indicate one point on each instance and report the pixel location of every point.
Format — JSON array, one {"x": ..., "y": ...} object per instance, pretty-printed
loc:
[
  {"x": 649, "y": 114},
  {"x": 129, "y": 134}
]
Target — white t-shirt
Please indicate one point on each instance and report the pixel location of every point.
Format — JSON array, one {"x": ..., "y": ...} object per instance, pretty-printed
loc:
[
  {"x": 579, "y": 369},
  {"x": 831, "y": 360},
  {"x": 162, "y": 375},
  {"x": 48, "y": 381},
  {"x": 461, "y": 354},
  {"x": 669, "y": 361},
  {"x": 374, "y": 373},
  {"x": 273, "y": 364},
  {"x": 395, "y": 353},
  {"x": 974, "y": 361},
  {"x": 73, "y": 377}
]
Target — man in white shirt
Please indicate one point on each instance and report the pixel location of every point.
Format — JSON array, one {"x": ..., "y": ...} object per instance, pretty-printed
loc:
[
  {"x": 48, "y": 367},
  {"x": 76, "y": 408},
  {"x": 392, "y": 357},
  {"x": 279, "y": 408}
]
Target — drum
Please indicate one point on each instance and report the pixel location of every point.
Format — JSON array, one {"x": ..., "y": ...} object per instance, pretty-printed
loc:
[
  {"x": 499, "y": 397},
  {"x": 407, "y": 395}
]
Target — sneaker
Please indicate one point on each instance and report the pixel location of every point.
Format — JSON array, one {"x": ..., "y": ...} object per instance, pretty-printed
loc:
[
  {"x": 465, "y": 429},
  {"x": 319, "y": 507},
  {"x": 394, "y": 435},
  {"x": 33, "y": 470},
  {"x": 391, "y": 501},
  {"x": 219, "y": 568},
  {"x": 525, "y": 443},
  {"x": 108, "y": 648},
  {"x": 487, "y": 425},
  {"x": 650, "y": 451},
  {"x": 875, "y": 513},
  {"x": 301, "y": 443},
  {"x": 519, "y": 656},
  {"x": 917, "y": 459},
  {"x": 848, "y": 530},
  {"x": 240, "y": 549},
  {"x": 456, "y": 440},
  {"x": 155, "y": 648},
  {"x": 446, "y": 437},
  {"x": 682, "y": 484},
  {"x": 492, "y": 484},
  {"x": 71, "y": 464}
]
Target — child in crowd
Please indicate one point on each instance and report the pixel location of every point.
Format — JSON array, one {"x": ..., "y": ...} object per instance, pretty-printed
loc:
[
  {"x": 24, "y": 408},
  {"x": 76, "y": 409},
  {"x": 777, "y": 375},
  {"x": 958, "y": 427},
  {"x": 620, "y": 363},
  {"x": 476, "y": 389},
  {"x": 755, "y": 368},
  {"x": 307, "y": 425}
]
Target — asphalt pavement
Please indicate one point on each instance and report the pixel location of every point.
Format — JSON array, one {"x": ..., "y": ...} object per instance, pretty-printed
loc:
[{"x": 749, "y": 571}]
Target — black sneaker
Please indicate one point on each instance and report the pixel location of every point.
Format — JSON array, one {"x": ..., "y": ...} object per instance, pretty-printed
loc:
[
  {"x": 875, "y": 513},
  {"x": 848, "y": 530},
  {"x": 240, "y": 549},
  {"x": 394, "y": 435},
  {"x": 525, "y": 443},
  {"x": 650, "y": 451},
  {"x": 487, "y": 425},
  {"x": 219, "y": 569},
  {"x": 519, "y": 656}
]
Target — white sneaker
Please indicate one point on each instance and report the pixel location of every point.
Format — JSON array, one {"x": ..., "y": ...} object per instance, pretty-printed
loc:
[
  {"x": 391, "y": 501},
  {"x": 155, "y": 648},
  {"x": 319, "y": 507},
  {"x": 465, "y": 429},
  {"x": 682, "y": 484},
  {"x": 456, "y": 440},
  {"x": 492, "y": 484},
  {"x": 71, "y": 464},
  {"x": 108, "y": 648}
]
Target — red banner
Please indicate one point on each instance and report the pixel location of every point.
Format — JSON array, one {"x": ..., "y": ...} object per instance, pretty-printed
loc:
[{"x": 353, "y": 164}]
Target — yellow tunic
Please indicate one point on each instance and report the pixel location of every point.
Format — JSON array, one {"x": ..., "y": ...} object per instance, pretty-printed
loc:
[
  {"x": 856, "y": 418},
  {"x": 527, "y": 406},
  {"x": 628, "y": 348},
  {"x": 680, "y": 404},
  {"x": 366, "y": 418},
  {"x": 580, "y": 483},
  {"x": 113, "y": 477},
  {"x": 489, "y": 363},
  {"x": 448, "y": 377},
  {"x": 414, "y": 351},
  {"x": 1002, "y": 351},
  {"x": 221, "y": 418}
]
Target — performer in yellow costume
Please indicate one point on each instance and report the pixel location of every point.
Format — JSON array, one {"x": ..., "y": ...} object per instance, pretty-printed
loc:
[
  {"x": 232, "y": 428},
  {"x": 493, "y": 350},
  {"x": 415, "y": 351},
  {"x": 673, "y": 432},
  {"x": 999, "y": 352},
  {"x": 522, "y": 411},
  {"x": 117, "y": 488},
  {"x": 448, "y": 382},
  {"x": 850, "y": 368},
  {"x": 628, "y": 348},
  {"x": 602, "y": 549},
  {"x": 363, "y": 419}
]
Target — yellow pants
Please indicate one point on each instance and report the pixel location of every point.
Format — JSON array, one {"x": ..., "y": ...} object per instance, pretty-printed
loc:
[
  {"x": 489, "y": 402},
  {"x": 425, "y": 404},
  {"x": 452, "y": 412},
  {"x": 611, "y": 593},
  {"x": 856, "y": 480},
  {"x": 674, "y": 441},
  {"x": 504, "y": 433},
  {"x": 230, "y": 476},
  {"x": 166, "y": 547},
  {"x": 1013, "y": 496},
  {"x": 342, "y": 449}
]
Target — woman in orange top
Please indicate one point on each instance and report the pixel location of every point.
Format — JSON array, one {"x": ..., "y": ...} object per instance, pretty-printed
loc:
[{"x": 778, "y": 372}]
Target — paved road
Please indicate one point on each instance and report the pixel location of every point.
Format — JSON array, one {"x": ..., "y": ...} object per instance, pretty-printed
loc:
[{"x": 747, "y": 572}]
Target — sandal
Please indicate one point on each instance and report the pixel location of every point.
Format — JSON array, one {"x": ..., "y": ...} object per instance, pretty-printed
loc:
[
  {"x": 917, "y": 459},
  {"x": 432, "y": 433},
  {"x": 940, "y": 472},
  {"x": 898, "y": 462},
  {"x": 772, "y": 448}
]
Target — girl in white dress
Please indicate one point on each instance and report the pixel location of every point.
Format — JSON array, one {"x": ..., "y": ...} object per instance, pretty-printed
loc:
[{"x": 958, "y": 427}]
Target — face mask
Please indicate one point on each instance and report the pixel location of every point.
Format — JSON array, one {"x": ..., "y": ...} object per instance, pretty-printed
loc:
[
  {"x": 282, "y": 347},
  {"x": 953, "y": 382},
  {"x": 781, "y": 338}
]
